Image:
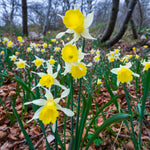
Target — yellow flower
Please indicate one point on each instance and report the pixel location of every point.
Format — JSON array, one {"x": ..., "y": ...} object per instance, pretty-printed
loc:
[
  {"x": 112, "y": 53},
  {"x": 38, "y": 62},
  {"x": 78, "y": 71},
  {"x": 68, "y": 39},
  {"x": 21, "y": 64},
  {"x": 17, "y": 53},
  {"x": 13, "y": 58},
  {"x": 53, "y": 40},
  {"x": 45, "y": 45},
  {"x": 130, "y": 56},
  {"x": 116, "y": 50},
  {"x": 146, "y": 65},
  {"x": 2, "y": 52},
  {"x": 111, "y": 59},
  {"x": 19, "y": 38},
  {"x": 134, "y": 49},
  {"x": 70, "y": 53},
  {"x": 48, "y": 112},
  {"x": 124, "y": 74},
  {"x": 52, "y": 61},
  {"x": 42, "y": 50},
  {"x": 10, "y": 44},
  {"x": 137, "y": 56},
  {"x": 21, "y": 44},
  {"x": 28, "y": 49},
  {"x": 77, "y": 24},
  {"x": 47, "y": 80},
  {"x": 50, "y": 45},
  {"x": 99, "y": 81},
  {"x": 145, "y": 46},
  {"x": 74, "y": 19}
]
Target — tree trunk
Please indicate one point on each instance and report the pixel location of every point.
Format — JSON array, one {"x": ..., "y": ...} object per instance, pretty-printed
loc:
[
  {"x": 24, "y": 18},
  {"x": 133, "y": 27},
  {"x": 124, "y": 24},
  {"x": 46, "y": 18},
  {"x": 112, "y": 21}
]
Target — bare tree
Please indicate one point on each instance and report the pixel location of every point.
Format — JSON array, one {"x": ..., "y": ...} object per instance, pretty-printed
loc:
[
  {"x": 24, "y": 18},
  {"x": 124, "y": 24},
  {"x": 46, "y": 18},
  {"x": 112, "y": 21}
]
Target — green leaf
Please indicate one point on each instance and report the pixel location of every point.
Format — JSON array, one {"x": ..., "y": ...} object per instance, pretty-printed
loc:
[{"x": 109, "y": 121}]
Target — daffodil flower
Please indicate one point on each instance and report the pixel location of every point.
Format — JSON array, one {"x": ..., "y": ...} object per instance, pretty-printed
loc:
[
  {"x": 48, "y": 112},
  {"x": 48, "y": 79},
  {"x": 146, "y": 65},
  {"x": 13, "y": 57},
  {"x": 72, "y": 57},
  {"x": 77, "y": 24},
  {"x": 38, "y": 62},
  {"x": 124, "y": 74},
  {"x": 21, "y": 64}
]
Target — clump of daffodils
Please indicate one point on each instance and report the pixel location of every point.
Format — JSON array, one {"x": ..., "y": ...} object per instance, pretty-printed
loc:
[
  {"x": 48, "y": 112},
  {"x": 77, "y": 24},
  {"x": 124, "y": 74}
]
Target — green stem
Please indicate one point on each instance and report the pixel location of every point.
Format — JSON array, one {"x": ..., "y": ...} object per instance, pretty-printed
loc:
[
  {"x": 71, "y": 94},
  {"x": 78, "y": 112},
  {"x": 146, "y": 87},
  {"x": 131, "y": 119}
]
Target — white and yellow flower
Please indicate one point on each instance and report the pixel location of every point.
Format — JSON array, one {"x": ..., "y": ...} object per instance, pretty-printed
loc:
[
  {"x": 77, "y": 24},
  {"x": 146, "y": 65},
  {"x": 48, "y": 79},
  {"x": 38, "y": 62},
  {"x": 48, "y": 112},
  {"x": 124, "y": 74},
  {"x": 13, "y": 57},
  {"x": 21, "y": 64}
]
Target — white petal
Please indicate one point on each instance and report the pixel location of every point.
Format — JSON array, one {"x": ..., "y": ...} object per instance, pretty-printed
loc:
[
  {"x": 86, "y": 34},
  {"x": 48, "y": 94},
  {"x": 128, "y": 65},
  {"x": 54, "y": 127},
  {"x": 39, "y": 102},
  {"x": 59, "y": 35},
  {"x": 89, "y": 64},
  {"x": 115, "y": 70},
  {"x": 56, "y": 82},
  {"x": 56, "y": 73},
  {"x": 135, "y": 74},
  {"x": 88, "y": 20},
  {"x": 69, "y": 31},
  {"x": 60, "y": 16},
  {"x": 49, "y": 69},
  {"x": 39, "y": 74},
  {"x": 36, "y": 114},
  {"x": 57, "y": 100},
  {"x": 68, "y": 112},
  {"x": 75, "y": 38},
  {"x": 65, "y": 93},
  {"x": 67, "y": 68},
  {"x": 118, "y": 83},
  {"x": 38, "y": 85}
]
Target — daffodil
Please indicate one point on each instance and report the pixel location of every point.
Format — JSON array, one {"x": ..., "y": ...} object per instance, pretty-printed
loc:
[
  {"x": 145, "y": 46},
  {"x": 38, "y": 62},
  {"x": 45, "y": 45},
  {"x": 92, "y": 51},
  {"x": 13, "y": 58},
  {"x": 2, "y": 52},
  {"x": 111, "y": 58},
  {"x": 146, "y": 65},
  {"x": 99, "y": 81},
  {"x": 21, "y": 64},
  {"x": 97, "y": 58},
  {"x": 77, "y": 24},
  {"x": 137, "y": 56},
  {"x": 51, "y": 61},
  {"x": 48, "y": 79},
  {"x": 29, "y": 49},
  {"x": 48, "y": 112},
  {"x": 42, "y": 50},
  {"x": 124, "y": 74},
  {"x": 17, "y": 53}
]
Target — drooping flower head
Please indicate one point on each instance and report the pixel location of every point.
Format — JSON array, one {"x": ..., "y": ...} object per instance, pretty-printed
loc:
[
  {"x": 77, "y": 24},
  {"x": 48, "y": 112},
  {"x": 124, "y": 74}
]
